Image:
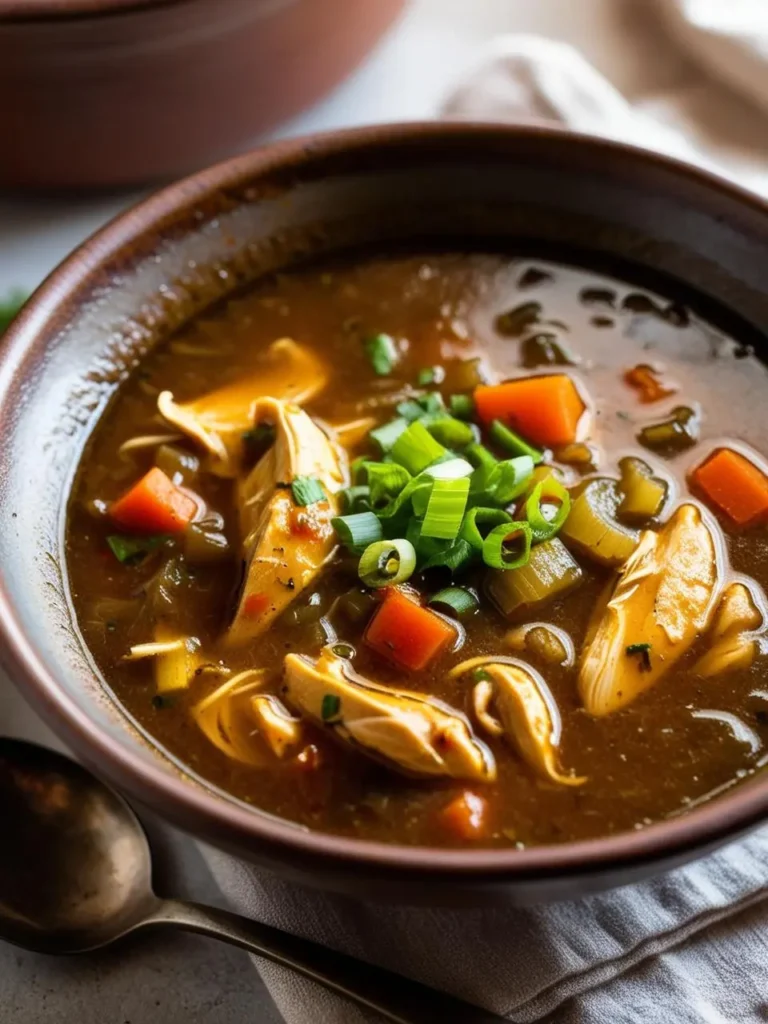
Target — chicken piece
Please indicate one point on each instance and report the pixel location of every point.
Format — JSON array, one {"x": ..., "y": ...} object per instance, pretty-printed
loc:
[
  {"x": 226, "y": 718},
  {"x": 219, "y": 420},
  {"x": 526, "y": 713},
  {"x": 175, "y": 658},
  {"x": 663, "y": 600},
  {"x": 406, "y": 731},
  {"x": 285, "y": 545},
  {"x": 733, "y": 643},
  {"x": 280, "y": 729}
]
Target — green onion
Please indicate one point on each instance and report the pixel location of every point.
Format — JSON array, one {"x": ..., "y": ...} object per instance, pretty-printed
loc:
[
  {"x": 496, "y": 546},
  {"x": 455, "y": 601},
  {"x": 387, "y": 563},
  {"x": 508, "y": 479},
  {"x": 260, "y": 437},
  {"x": 545, "y": 526},
  {"x": 450, "y": 469},
  {"x": 513, "y": 443},
  {"x": 454, "y": 557},
  {"x": 644, "y": 650},
  {"x": 430, "y": 375},
  {"x": 432, "y": 403},
  {"x": 357, "y": 531},
  {"x": 330, "y": 706},
  {"x": 425, "y": 547},
  {"x": 358, "y": 470},
  {"x": 484, "y": 463},
  {"x": 410, "y": 410},
  {"x": 476, "y": 518},
  {"x": 415, "y": 448},
  {"x": 382, "y": 353},
  {"x": 462, "y": 406},
  {"x": 355, "y": 499},
  {"x": 445, "y": 511},
  {"x": 387, "y": 434},
  {"x": 420, "y": 498},
  {"x": 452, "y": 433},
  {"x": 131, "y": 550},
  {"x": 386, "y": 480},
  {"x": 307, "y": 490}
]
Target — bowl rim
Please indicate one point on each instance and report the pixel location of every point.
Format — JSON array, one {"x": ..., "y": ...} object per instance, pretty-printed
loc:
[
  {"x": 34, "y": 11},
  {"x": 201, "y": 811}
]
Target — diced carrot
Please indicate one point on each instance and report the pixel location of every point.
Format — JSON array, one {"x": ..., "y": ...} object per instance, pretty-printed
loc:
[
  {"x": 255, "y": 604},
  {"x": 154, "y": 505},
  {"x": 735, "y": 485},
  {"x": 466, "y": 816},
  {"x": 648, "y": 383},
  {"x": 546, "y": 410},
  {"x": 407, "y": 634}
]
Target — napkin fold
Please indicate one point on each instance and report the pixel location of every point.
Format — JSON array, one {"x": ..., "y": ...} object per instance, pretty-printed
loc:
[{"x": 691, "y": 946}]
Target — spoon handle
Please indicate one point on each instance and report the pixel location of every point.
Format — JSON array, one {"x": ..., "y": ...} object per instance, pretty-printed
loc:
[{"x": 397, "y": 998}]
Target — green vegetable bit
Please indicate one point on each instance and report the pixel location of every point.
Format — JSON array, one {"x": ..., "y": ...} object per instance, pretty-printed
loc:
[
  {"x": 644, "y": 651},
  {"x": 456, "y": 601},
  {"x": 382, "y": 353},
  {"x": 307, "y": 490},
  {"x": 132, "y": 550},
  {"x": 330, "y": 707}
]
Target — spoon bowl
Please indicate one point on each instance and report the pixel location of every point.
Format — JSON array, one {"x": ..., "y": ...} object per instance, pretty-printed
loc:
[
  {"x": 76, "y": 874},
  {"x": 75, "y": 871}
]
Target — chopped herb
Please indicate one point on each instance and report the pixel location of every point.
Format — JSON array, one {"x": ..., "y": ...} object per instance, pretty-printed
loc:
[
  {"x": 133, "y": 550},
  {"x": 644, "y": 650},
  {"x": 481, "y": 676},
  {"x": 163, "y": 700},
  {"x": 430, "y": 375},
  {"x": 10, "y": 306},
  {"x": 382, "y": 353},
  {"x": 330, "y": 707},
  {"x": 260, "y": 437},
  {"x": 307, "y": 490}
]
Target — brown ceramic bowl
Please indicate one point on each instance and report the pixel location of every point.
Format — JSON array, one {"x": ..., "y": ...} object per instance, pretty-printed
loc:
[
  {"x": 527, "y": 188},
  {"x": 119, "y": 92}
]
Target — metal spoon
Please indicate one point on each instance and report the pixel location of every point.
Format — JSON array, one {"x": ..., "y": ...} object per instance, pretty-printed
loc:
[{"x": 76, "y": 874}]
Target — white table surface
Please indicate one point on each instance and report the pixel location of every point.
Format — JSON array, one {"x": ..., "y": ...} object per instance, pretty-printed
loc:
[{"x": 188, "y": 980}]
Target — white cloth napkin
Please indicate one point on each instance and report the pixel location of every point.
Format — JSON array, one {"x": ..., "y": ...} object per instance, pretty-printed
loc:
[{"x": 688, "y": 947}]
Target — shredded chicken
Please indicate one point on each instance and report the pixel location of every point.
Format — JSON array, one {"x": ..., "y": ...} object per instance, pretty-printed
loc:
[
  {"x": 407, "y": 731},
  {"x": 663, "y": 600},
  {"x": 733, "y": 644}
]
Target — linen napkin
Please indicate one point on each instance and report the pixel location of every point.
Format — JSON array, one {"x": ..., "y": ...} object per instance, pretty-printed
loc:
[{"x": 691, "y": 946}]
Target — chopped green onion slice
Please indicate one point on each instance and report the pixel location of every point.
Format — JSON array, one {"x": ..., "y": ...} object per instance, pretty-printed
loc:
[
  {"x": 454, "y": 557},
  {"x": 432, "y": 403},
  {"x": 307, "y": 490},
  {"x": 420, "y": 498},
  {"x": 130, "y": 550},
  {"x": 483, "y": 461},
  {"x": 330, "y": 706},
  {"x": 387, "y": 563},
  {"x": 358, "y": 469},
  {"x": 508, "y": 479},
  {"x": 513, "y": 443},
  {"x": 508, "y": 546},
  {"x": 445, "y": 510},
  {"x": 452, "y": 432},
  {"x": 455, "y": 601},
  {"x": 430, "y": 375},
  {"x": 478, "y": 522},
  {"x": 382, "y": 353},
  {"x": 462, "y": 406},
  {"x": 450, "y": 469},
  {"x": 356, "y": 499},
  {"x": 387, "y": 434},
  {"x": 415, "y": 448},
  {"x": 357, "y": 531},
  {"x": 410, "y": 410},
  {"x": 545, "y": 524},
  {"x": 386, "y": 480}
]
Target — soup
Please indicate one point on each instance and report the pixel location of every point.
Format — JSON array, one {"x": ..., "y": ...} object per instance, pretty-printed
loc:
[{"x": 454, "y": 550}]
